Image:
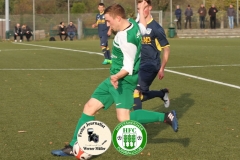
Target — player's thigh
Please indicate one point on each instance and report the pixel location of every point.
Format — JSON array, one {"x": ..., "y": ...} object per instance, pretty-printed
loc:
[
  {"x": 145, "y": 79},
  {"x": 103, "y": 95},
  {"x": 104, "y": 41},
  {"x": 123, "y": 96},
  {"x": 123, "y": 114}
]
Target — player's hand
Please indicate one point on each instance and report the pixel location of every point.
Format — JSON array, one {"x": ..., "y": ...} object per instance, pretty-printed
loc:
[
  {"x": 143, "y": 5},
  {"x": 160, "y": 74},
  {"x": 114, "y": 81},
  {"x": 109, "y": 32},
  {"x": 94, "y": 25}
]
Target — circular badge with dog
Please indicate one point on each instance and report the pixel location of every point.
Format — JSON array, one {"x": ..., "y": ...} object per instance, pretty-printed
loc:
[
  {"x": 129, "y": 137},
  {"x": 94, "y": 137}
]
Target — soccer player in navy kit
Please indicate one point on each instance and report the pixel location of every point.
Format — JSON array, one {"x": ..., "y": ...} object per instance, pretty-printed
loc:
[
  {"x": 154, "y": 42},
  {"x": 104, "y": 32}
]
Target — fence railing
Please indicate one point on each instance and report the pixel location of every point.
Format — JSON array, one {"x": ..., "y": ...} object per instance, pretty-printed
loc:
[{"x": 48, "y": 22}]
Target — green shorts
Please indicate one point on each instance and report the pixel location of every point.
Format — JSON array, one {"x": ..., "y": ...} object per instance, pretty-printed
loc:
[{"x": 122, "y": 96}]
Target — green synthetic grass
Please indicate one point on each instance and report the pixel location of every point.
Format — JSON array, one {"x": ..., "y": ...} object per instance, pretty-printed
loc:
[{"x": 40, "y": 96}]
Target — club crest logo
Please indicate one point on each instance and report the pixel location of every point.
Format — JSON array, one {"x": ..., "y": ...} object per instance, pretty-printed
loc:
[
  {"x": 94, "y": 137},
  {"x": 129, "y": 137},
  {"x": 148, "y": 31}
]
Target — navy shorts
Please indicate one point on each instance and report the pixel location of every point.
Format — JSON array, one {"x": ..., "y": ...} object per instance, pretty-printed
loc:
[
  {"x": 146, "y": 76},
  {"x": 104, "y": 41}
]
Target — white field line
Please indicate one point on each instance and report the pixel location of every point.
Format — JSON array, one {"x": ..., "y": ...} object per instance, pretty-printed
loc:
[
  {"x": 204, "y": 79},
  {"x": 102, "y": 55},
  {"x": 167, "y": 70},
  {"x": 66, "y": 49},
  {"x": 5, "y": 50},
  {"x": 223, "y": 65},
  {"x": 46, "y": 69}
]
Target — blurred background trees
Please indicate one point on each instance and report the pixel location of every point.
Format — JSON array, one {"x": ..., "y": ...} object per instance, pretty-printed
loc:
[{"x": 90, "y": 6}]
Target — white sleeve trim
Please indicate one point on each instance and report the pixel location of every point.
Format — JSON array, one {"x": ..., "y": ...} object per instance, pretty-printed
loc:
[
  {"x": 138, "y": 18},
  {"x": 142, "y": 28},
  {"x": 129, "y": 51}
]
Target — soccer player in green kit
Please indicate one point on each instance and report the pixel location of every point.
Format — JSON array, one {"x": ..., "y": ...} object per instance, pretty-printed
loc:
[{"x": 119, "y": 87}]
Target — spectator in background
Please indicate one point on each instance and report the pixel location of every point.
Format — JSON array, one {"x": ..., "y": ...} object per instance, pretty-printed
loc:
[
  {"x": 188, "y": 14},
  {"x": 62, "y": 31},
  {"x": 212, "y": 13},
  {"x": 202, "y": 14},
  {"x": 26, "y": 31},
  {"x": 18, "y": 32},
  {"x": 231, "y": 14},
  {"x": 71, "y": 30},
  {"x": 178, "y": 13}
]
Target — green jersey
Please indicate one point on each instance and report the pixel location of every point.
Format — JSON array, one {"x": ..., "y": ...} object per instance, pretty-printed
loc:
[{"x": 126, "y": 52}]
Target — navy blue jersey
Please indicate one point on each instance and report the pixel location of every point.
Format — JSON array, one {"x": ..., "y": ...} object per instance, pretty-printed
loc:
[
  {"x": 102, "y": 26},
  {"x": 152, "y": 44}
]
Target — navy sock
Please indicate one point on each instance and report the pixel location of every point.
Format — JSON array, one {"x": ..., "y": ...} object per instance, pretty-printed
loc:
[
  {"x": 137, "y": 103},
  {"x": 104, "y": 51},
  {"x": 109, "y": 54},
  {"x": 152, "y": 94}
]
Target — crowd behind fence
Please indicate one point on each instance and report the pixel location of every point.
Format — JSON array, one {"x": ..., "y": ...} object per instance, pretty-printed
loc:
[{"x": 47, "y": 22}]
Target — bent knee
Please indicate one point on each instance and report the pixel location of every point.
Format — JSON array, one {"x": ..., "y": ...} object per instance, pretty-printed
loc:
[
  {"x": 123, "y": 115},
  {"x": 89, "y": 109},
  {"x": 121, "y": 119},
  {"x": 92, "y": 106}
]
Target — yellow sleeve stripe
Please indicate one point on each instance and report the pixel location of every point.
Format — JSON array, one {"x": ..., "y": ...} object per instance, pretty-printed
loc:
[
  {"x": 166, "y": 46},
  {"x": 159, "y": 47}
]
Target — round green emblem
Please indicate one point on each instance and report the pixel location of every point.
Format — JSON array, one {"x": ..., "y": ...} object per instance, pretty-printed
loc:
[{"x": 129, "y": 137}]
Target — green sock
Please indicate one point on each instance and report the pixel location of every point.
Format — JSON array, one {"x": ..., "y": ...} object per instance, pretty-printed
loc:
[
  {"x": 144, "y": 116},
  {"x": 84, "y": 118}
]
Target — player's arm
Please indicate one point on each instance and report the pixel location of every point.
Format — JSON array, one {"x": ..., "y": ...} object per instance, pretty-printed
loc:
[
  {"x": 166, "y": 52},
  {"x": 142, "y": 28},
  {"x": 95, "y": 24},
  {"x": 114, "y": 78},
  {"x": 161, "y": 37},
  {"x": 129, "y": 52},
  {"x": 141, "y": 19}
]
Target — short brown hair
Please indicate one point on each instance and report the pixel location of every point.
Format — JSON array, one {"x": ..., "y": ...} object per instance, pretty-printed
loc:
[
  {"x": 149, "y": 2},
  {"x": 101, "y": 4},
  {"x": 116, "y": 10}
]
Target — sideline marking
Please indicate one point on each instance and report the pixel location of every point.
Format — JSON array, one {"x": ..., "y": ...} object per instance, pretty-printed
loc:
[
  {"x": 221, "y": 65},
  {"x": 5, "y": 50},
  {"x": 204, "y": 79},
  {"x": 167, "y": 70},
  {"x": 46, "y": 69},
  {"x": 66, "y": 49}
]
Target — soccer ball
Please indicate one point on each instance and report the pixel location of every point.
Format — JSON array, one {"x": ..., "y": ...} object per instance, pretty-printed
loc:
[{"x": 79, "y": 153}]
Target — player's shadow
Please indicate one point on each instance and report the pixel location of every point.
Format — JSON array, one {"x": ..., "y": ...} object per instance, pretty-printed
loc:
[{"x": 180, "y": 105}]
